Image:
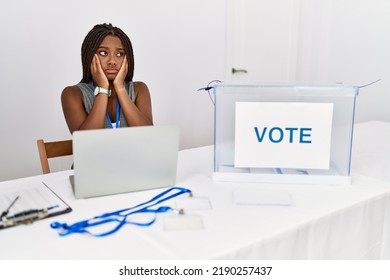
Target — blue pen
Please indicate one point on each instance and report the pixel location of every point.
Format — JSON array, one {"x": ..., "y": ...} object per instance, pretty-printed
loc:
[
  {"x": 31, "y": 212},
  {"x": 27, "y": 217}
]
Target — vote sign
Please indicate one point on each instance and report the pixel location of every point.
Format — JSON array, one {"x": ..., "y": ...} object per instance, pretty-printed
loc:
[{"x": 283, "y": 135}]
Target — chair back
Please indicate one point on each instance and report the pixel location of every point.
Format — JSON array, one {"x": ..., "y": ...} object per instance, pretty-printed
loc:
[{"x": 51, "y": 150}]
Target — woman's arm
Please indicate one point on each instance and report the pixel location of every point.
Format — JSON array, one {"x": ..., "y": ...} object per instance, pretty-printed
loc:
[
  {"x": 139, "y": 112},
  {"x": 74, "y": 111}
]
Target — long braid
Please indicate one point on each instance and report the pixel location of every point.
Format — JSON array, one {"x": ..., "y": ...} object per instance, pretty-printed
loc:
[{"x": 92, "y": 42}]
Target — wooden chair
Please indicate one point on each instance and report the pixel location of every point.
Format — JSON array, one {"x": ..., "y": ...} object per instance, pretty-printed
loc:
[{"x": 51, "y": 150}]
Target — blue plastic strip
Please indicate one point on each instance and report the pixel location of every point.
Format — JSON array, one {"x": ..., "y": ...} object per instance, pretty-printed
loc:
[
  {"x": 121, "y": 216},
  {"x": 117, "y": 117}
]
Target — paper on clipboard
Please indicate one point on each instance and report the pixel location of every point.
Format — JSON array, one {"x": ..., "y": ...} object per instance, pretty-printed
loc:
[{"x": 33, "y": 196}]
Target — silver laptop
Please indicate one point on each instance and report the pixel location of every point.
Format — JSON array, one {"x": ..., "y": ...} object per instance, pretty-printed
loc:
[{"x": 111, "y": 161}]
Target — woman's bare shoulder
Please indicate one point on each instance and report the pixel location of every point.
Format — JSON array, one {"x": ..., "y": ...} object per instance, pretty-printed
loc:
[
  {"x": 141, "y": 89},
  {"x": 140, "y": 85},
  {"x": 71, "y": 92}
]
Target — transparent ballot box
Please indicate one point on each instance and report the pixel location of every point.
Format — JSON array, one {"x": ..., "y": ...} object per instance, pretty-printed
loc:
[{"x": 283, "y": 133}]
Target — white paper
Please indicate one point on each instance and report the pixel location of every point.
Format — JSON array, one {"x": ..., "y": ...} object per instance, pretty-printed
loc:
[
  {"x": 183, "y": 222},
  {"x": 192, "y": 203},
  {"x": 283, "y": 135},
  {"x": 262, "y": 197},
  {"x": 30, "y": 196}
]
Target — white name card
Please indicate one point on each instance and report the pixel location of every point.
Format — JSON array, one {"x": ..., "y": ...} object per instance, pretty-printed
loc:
[{"x": 283, "y": 135}]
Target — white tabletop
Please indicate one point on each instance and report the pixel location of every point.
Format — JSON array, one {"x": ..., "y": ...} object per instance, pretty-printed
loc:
[{"x": 323, "y": 222}]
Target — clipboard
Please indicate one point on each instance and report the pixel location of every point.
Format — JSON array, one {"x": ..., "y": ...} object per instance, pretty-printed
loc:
[{"x": 29, "y": 203}]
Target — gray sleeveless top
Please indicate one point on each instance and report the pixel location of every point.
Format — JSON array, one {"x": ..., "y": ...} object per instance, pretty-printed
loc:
[{"x": 89, "y": 98}]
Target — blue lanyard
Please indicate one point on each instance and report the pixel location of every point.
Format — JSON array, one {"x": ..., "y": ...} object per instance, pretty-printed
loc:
[
  {"x": 121, "y": 216},
  {"x": 117, "y": 113},
  {"x": 117, "y": 116}
]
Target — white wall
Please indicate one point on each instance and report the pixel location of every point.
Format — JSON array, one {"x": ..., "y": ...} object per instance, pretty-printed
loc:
[
  {"x": 178, "y": 46},
  {"x": 348, "y": 41}
]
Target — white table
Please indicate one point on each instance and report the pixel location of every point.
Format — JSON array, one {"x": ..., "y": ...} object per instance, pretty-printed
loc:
[{"x": 324, "y": 222}]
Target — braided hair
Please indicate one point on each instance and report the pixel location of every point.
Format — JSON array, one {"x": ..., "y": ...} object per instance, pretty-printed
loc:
[{"x": 92, "y": 42}]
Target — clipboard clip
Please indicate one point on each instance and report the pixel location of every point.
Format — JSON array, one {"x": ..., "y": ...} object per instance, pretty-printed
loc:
[{"x": 26, "y": 217}]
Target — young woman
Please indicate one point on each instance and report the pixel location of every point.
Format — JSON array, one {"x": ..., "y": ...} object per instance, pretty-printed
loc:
[{"x": 106, "y": 97}]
